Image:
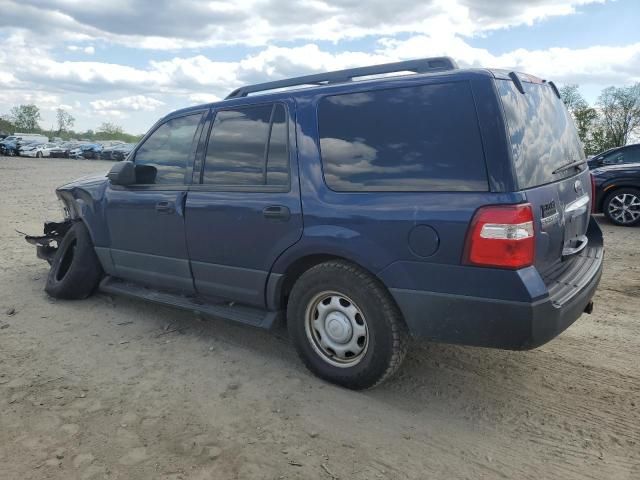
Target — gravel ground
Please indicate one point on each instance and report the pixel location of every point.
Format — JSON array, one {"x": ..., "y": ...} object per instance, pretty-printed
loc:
[{"x": 115, "y": 388}]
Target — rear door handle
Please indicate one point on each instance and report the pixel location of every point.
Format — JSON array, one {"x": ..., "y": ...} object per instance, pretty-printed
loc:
[
  {"x": 166, "y": 207},
  {"x": 276, "y": 212}
]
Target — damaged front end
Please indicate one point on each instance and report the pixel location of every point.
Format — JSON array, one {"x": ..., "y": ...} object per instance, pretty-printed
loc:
[{"x": 47, "y": 244}]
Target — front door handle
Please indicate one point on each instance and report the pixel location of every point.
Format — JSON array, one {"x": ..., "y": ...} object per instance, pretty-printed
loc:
[
  {"x": 276, "y": 212},
  {"x": 166, "y": 207}
]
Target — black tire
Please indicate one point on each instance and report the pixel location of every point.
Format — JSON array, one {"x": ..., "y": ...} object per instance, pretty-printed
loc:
[
  {"x": 613, "y": 207},
  {"x": 75, "y": 269},
  {"x": 39, "y": 154},
  {"x": 386, "y": 338}
]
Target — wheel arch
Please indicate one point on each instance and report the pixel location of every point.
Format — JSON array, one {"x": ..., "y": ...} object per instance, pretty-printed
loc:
[
  {"x": 279, "y": 285},
  {"x": 613, "y": 187}
]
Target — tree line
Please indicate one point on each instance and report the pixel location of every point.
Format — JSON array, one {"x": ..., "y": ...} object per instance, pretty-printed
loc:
[
  {"x": 27, "y": 118},
  {"x": 613, "y": 121}
]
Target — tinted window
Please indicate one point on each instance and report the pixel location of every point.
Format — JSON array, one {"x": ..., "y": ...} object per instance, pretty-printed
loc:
[
  {"x": 248, "y": 146},
  {"x": 164, "y": 156},
  {"x": 404, "y": 139},
  {"x": 542, "y": 134},
  {"x": 626, "y": 155}
]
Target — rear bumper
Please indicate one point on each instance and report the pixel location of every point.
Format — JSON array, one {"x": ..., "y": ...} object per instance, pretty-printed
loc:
[{"x": 513, "y": 325}]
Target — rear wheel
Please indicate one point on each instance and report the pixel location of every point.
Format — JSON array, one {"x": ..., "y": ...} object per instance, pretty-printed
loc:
[
  {"x": 622, "y": 207},
  {"x": 345, "y": 325},
  {"x": 75, "y": 269}
]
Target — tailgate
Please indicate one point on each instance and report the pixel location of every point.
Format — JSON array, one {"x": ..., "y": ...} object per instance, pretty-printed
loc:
[
  {"x": 549, "y": 166},
  {"x": 562, "y": 211}
]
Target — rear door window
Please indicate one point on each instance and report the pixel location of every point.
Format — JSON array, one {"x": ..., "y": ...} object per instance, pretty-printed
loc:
[
  {"x": 248, "y": 146},
  {"x": 542, "y": 134},
  {"x": 423, "y": 138}
]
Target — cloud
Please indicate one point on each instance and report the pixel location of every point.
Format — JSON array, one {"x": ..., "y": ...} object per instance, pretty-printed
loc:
[
  {"x": 90, "y": 50},
  {"x": 286, "y": 39},
  {"x": 133, "y": 103},
  {"x": 175, "y": 24}
]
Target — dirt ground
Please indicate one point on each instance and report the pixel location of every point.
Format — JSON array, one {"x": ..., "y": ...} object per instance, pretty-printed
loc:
[{"x": 115, "y": 388}]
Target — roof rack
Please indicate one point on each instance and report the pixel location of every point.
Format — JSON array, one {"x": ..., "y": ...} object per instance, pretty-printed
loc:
[{"x": 425, "y": 65}]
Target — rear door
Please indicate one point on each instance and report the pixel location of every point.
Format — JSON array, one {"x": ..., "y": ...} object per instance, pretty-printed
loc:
[
  {"x": 244, "y": 208},
  {"x": 550, "y": 167}
]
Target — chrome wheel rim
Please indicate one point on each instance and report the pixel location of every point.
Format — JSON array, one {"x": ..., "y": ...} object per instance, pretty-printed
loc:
[
  {"x": 336, "y": 329},
  {"x": 624, "y": 208}
]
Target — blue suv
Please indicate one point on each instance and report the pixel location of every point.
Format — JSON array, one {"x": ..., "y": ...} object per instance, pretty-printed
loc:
[{"x": 362, "y": 207}]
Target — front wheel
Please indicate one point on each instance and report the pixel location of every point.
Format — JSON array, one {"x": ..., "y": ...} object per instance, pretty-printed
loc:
[
  {"x": 622, "y": 207},
  {"x": 39, "y": 154},
  {"x": 75, "y": 269},
  {"x": 345, "y": 325}
]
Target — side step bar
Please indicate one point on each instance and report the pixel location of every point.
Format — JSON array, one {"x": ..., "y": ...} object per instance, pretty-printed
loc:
[{"x": 253, "y": 316}]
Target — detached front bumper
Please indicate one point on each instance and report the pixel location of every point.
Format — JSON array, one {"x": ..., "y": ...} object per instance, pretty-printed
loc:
[
  {"x": 512, "y": 325},
  {"x": 47, "y": 244}
]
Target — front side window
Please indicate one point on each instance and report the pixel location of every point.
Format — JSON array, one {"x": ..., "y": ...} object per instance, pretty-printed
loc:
[
  {"x": 248, "y": 147},
  {"x": 423, "y": 138},
  {"x": 164, "y": 156}
]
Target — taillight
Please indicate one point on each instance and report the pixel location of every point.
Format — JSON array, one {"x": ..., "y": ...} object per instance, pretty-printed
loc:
[
  {"x": 501, "y": 236},
  {"x": 593, "y": 193}
]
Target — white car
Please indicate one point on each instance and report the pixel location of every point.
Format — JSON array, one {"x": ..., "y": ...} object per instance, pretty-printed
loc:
[{"x": 38, "y": 150}]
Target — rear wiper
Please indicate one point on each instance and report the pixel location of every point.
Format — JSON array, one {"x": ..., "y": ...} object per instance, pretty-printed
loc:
[{"x": 568, "y": 166}]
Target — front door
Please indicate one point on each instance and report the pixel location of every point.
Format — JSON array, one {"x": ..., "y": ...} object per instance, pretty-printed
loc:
[
  {"x": 146, "y": 220},
  {"x": 243, "y": 209}
]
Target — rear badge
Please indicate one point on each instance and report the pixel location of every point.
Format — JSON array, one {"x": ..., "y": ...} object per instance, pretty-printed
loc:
[
  {"x": 549, "y": 213},
  {"x": 578, "y": 187}
]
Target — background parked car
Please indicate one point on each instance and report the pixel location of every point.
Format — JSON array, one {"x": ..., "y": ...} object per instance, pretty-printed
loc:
[
  {"x": 616, "y": 156},
  {"x": 117, "y": 152},
  {"x": 86, "y": 150},
  {"x": 9, "y": 146},
  {"x": 618, "y": 193},
  {"x": 38, "y": 150}
]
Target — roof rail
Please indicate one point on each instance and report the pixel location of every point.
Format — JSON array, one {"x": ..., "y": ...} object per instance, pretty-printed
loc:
[{"x": 424, "y": 65}]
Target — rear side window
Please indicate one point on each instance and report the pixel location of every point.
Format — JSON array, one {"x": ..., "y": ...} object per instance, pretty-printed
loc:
[
  {"x": 423, "y": 138},
  {"x": 164, "y": 156},
  {"x": 542, "y": 134},
  {"x": 248, "y": 147}
]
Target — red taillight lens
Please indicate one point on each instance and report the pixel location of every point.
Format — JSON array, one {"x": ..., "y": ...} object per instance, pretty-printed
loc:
[{"x": 501, "y": 236}]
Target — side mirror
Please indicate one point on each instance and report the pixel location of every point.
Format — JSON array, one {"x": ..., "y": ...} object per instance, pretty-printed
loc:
[{"x": 122, "y": 173}]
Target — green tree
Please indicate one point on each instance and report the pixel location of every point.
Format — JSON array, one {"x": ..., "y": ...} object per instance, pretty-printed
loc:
[
  {"x": 65, "y": 120},
  {"x": 620, "y": 111},
  {"x": 110, "y": 129},
  {"x": 26, "y": 117},
  {"x": 585, "y": 116},
  {"x": 6, "y": 125}
]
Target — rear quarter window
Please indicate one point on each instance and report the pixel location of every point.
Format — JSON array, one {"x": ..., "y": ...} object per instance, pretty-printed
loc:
[
  {"x": 542, "y": 134},
  {"x": 423, "y": 138}
]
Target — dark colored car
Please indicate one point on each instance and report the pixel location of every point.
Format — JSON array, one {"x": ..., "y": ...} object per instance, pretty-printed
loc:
[
  {"x": 616, "y": 156},
  {"x": 9, "y": 146},
  {"x": 63, "y": 150},
  {"x": 116, "y": 152},
  {"x": 122, "y": 152},
  {"x": 618, "y": 193},
  {"x": 449, "y": 204}
]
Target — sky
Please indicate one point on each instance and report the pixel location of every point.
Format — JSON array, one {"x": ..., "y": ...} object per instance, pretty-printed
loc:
[{"x": 132, "y": 61}]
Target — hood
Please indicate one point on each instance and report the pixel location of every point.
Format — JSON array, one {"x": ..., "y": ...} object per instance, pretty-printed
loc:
[{"x": 88, "y": 180}]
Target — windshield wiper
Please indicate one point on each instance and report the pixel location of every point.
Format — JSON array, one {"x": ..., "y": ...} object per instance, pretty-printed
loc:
[{"x": 568, "y": 166}]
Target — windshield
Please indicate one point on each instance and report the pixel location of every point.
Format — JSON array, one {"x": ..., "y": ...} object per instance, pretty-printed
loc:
[{"x": 542, "y": 133}]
